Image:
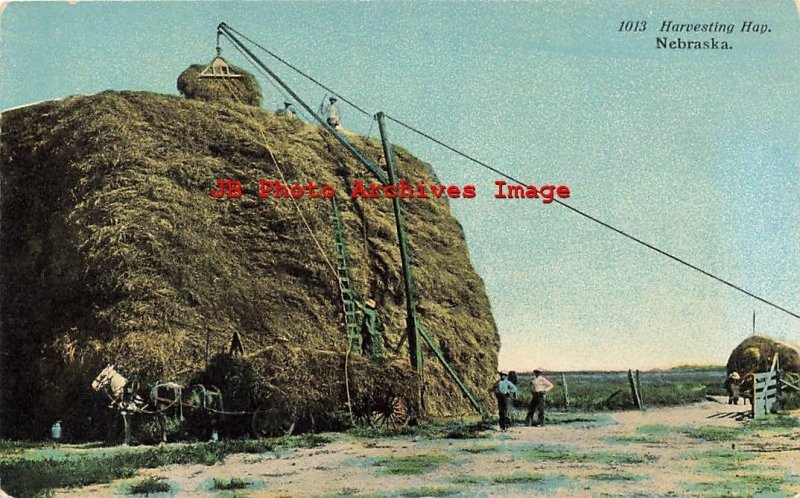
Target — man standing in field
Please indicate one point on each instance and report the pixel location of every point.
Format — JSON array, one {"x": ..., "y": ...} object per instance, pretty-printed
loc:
[
  {"x": 539, "y": 387},
  {"x": 503, "y": 390},
  {"x": 732, "y": 387}
]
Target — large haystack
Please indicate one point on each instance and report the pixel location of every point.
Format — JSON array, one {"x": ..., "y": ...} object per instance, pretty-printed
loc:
[
  {"x": 755, "y": 354},
  {"x": 113, "y": 250},
  {"x": 243, "y": 90}
]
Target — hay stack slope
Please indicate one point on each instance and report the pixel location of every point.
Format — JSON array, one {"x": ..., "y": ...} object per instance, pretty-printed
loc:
[
  {"x": 114, "y": 251},
  {"x": 243, "y": 90},
  {"x": 755, "y": 354}
]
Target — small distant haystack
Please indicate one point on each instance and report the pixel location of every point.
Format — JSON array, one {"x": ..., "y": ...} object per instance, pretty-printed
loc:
[
  {"x": 244, "y": 90},
  {"x": 755, "y": 354}
]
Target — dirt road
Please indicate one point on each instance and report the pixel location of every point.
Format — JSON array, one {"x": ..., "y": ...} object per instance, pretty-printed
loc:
[{"x": 697, "y": 450}]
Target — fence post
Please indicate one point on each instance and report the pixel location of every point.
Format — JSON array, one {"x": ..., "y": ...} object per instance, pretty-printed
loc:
[
  {"x": 639, "y": 390},
  {"x": 634, "y": 392},
  {"x": 566, "y": 391}
]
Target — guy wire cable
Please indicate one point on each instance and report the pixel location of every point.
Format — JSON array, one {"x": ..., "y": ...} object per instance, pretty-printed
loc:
[{"x": 509, "y": 177}]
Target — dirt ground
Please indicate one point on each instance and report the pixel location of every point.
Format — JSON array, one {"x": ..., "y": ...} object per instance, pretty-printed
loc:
[{"x": 696, "y": 450}]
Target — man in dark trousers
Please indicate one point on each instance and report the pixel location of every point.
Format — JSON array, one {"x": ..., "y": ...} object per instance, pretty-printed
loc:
[
  {"x": 504, "y": 390},
  {"x": 539, "y": 388},
  {"x": 732, "y": 384}
]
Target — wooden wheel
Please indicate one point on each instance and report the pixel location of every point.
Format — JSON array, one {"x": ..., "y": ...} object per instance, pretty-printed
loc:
[
  {"x": 270, "y": 421},
  {"x": 394, "y": 414}
]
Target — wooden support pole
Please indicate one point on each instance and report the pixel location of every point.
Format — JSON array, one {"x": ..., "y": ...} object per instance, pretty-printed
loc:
[
  {"x": 634, "y": 392},
  {"x": 412, "y": 327},
  {"x": 566, "y": 390}
]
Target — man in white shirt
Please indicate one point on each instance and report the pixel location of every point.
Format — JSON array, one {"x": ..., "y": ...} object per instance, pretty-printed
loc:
[
  {"x": 504, "y": 389},
  {"x": 539, "y": 387},
  {"x": 333, "y": 113}
]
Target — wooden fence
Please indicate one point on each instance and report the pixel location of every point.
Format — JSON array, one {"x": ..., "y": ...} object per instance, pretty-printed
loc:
[{"x": 765, "y": 392}]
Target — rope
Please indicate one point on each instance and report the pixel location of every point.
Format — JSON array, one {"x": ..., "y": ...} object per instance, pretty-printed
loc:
[
  {"x": 343, "y": 99},
  {"x": 321, "y": 251},
  {"x": 283, "y": 177},
  {"x": 598, "y": 221}
]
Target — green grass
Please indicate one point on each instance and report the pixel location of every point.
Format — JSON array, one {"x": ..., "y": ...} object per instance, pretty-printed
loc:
[
  {"x": 780, "y": 422},
  {"x": 589, "y": 391},
  {"x": 149, "y": 485},
  {"x": 646, "y": 434},
  {"x": 24, "y": 477},
  {"x": 230, "y": 484},
  {"x": 563, "y": 454},
  {"x": 433, "y": 430},
  {"x": 9, "y": 446},
  {"x": 518, "y": 478},
  {"x": 411, "y": 465},
  {"x": 741, "y": 485},
  {"x": 481, "y": 449},
  {"x": 514, "y": 478},
  {"x": 566, "y": 455},
  {"x": 467, "y": 480},
  {"x": 714, "y": 433},
  {"x": 615, "y": 476},
  {"x": 428, "y": 491},
  {"x": 724, "y": 460}
]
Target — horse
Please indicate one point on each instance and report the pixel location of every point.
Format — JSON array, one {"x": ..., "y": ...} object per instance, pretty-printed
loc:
[
  {"x": 164, "y": 397},
  {"x": 116, "y": 388}
]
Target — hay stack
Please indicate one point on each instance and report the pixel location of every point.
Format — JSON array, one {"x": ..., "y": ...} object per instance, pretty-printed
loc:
[
  {"x": 119, "y": 254},
  {"x": 755, "y": 354},
  {"x": 243, "y": 90}
]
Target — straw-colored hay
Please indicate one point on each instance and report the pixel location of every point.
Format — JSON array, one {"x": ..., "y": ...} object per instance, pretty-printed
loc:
[
  {"x": 755, "y": 354},
  {"x": 223, "y": 90},
  {"x": 114, "y": 251}
]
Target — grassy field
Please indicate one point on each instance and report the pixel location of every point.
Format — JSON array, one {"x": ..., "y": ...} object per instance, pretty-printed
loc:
[
  {"x": 31, "y": 468},
  {"x": 37, "y": 469},
  {"x": 598, "y": 391}
]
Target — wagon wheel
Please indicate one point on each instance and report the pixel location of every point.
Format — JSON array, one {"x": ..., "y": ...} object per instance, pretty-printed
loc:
[
  {"x": 394, "y": 414},
  {"x": 271, "y": 421}
]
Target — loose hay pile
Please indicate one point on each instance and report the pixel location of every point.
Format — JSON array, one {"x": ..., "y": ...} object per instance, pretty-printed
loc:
[
  {"x": 243, "y": 90},
  {"x": 755, "y": 354},
  {"x": 114, "y": 251}
]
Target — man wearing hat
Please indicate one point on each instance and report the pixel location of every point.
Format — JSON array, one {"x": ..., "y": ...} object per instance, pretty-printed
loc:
[
  {"x": 539, "y": 388},
  {"x": 732, "y": 384},
  {"x": 504, "y": 389},
  {"x": 333, "y": 113},
  {"x": 287, "y": 110}
]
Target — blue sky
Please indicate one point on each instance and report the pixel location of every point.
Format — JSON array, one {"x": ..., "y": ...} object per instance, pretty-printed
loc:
[{"x": 696, "y": 152}]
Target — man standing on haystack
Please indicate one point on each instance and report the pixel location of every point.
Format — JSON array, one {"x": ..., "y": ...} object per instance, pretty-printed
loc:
[
  {"x": 504, "y": 389},
  {"x": 333, "y": 113},
  {"x": 287, "y": 110},
  {"x": 539, "y": 388}
]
